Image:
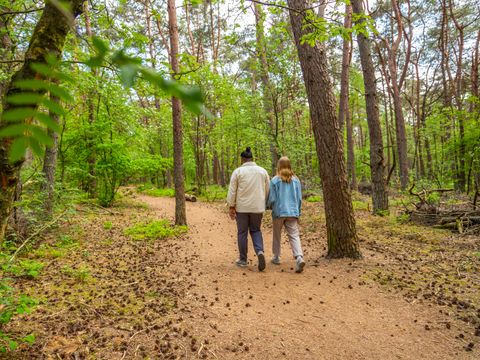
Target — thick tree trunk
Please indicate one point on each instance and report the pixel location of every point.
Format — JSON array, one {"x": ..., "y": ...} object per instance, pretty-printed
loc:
[
  {"x": 178, "y": 171},
  {"x": 48, "y": 38},
  {"x": 341, "y": 232},
  {"x": 50, "y": 167},
  {"x": 377, "y": 163}
]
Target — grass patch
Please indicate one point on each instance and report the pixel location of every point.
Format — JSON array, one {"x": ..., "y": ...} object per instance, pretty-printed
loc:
[
  {"x": 157, "y": 229},
  {"x": 361, "y": 205},
  {"x": 213, "y": 193},
  {"x": 315, "y": 199},
  {"x": 107, "y": 225},
  {"x": 153, "y": 191},
  {"x": 82, "y": 274}
]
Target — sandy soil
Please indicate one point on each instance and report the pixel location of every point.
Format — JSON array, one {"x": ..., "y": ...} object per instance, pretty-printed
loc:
[{"x": 328, "y": 312}]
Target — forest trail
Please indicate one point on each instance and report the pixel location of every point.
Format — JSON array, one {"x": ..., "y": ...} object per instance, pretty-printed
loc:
[{"x": 323, "y": 313}]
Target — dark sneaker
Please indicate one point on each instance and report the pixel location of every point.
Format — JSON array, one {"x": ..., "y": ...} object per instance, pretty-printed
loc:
[
  {"x": 300, "y": 264},
  {"x": 275, "y": 260},
  {"x": 241, "y": 263},
  {"x": 261, "y": 261}
]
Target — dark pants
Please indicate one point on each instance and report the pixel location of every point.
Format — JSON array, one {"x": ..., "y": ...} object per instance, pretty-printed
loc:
[{"x": 246, "y": 222}]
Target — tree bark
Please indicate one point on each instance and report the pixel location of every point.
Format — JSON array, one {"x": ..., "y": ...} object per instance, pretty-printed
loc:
[
  {"x": 350, "y": 150},
  {"x": 178, "y": 171},
  {"x": 341, "y": 231},
  {"x": 50, "y": 167},
  {"x": 90, "y": 141},
  {"x": 268, "y": 94},
  {"x": 346, "y": 59},
  {"x": 377, "y": 163},
  {"x": 48, "y": 38}
]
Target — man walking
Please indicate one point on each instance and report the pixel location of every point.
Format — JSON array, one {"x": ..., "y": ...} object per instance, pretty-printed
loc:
[{"x": 246, "y": 198}]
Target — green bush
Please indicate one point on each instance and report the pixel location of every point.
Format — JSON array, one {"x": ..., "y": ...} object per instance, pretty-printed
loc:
[
  {"x": 157, "y": 229},
  {"x": 314, "y": 199}
]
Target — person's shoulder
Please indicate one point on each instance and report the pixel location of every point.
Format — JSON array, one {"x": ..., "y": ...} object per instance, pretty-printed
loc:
[{"x": 276, "y": 179}]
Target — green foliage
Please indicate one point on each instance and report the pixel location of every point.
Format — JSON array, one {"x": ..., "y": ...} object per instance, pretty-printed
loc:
[
  {"x": 156, "y": 229},
  {"x": 12, "y": 304},
  {"x": 315, "y": 198},
  {"x": 213, "y": 193},
  {"x": 107, "y": 225},
  {"x": 23, "y": 268},
  {"x": 152, "y": 191},
  {"x": 81, "y": 274}
]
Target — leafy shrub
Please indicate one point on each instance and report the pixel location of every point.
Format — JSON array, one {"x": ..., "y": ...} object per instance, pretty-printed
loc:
[
  {"x": 157, "y": 229},
  {"x": 314, "y": 199},
  {"x": 27, "y": 268}
]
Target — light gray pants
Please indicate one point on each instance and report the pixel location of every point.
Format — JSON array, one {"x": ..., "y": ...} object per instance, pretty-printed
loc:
[{"x": 291, "y": 226}]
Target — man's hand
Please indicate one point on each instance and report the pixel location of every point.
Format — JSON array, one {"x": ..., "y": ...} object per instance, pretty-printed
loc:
[{"x": 232, "y": 212}]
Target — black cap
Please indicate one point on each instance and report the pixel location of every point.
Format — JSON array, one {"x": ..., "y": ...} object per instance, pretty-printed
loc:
[{"x": 247, "y": 154}]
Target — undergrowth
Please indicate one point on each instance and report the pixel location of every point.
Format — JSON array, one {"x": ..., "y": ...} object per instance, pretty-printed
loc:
[{"x": 156, "y": 229}]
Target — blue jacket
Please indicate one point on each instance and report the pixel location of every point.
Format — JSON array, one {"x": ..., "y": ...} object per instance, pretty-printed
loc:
[{"x": 285, "y": 199}]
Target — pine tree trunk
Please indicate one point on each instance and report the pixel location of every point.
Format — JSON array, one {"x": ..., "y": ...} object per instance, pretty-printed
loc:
[
  {"x": 351, "y": 150},
  {"x": 346, "y": 59},
  {"x": 377, "y": 164},
  {"x": 341, "y": 232},
  {"x": 48, "y": 38},
  {"x": 178, "y": 171}
]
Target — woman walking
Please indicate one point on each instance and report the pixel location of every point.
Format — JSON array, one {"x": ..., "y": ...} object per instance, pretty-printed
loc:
[{"x": 285, "y": 200}]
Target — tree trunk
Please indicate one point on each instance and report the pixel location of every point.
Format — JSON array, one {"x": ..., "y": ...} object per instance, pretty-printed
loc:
[
  {"x": 341, "y": 232},
  {"x": 346, "y": 59},
  {"x": 48, "y": 38},
  {"x": 90, "y": 143},
  {"x": 351, "y": 150},
  {"x": 50, "y": 167},
  {"x": 377, "y": 163},
  {"x": 268, "y": 94},
  {"x": 178, "y": 171}
]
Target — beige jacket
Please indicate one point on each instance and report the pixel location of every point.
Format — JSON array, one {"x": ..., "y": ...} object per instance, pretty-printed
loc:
[{"x": 248, "y": 189}]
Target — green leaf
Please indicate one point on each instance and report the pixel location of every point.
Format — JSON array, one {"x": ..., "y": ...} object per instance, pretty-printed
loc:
[
  {"x": 128, "y": 74},
  {"x": 13, "y": 130},
  {"x": 25, "y": 98},
  {"x": 44, "y": 69},
  {"x": 12, "y": 345},
  {"x": 41, "y": 136},
  {"x": 35, "y": 146},
  {"x": 47, "y": 121},
  {"x": 100, "y": 45},
  {"x": 18, "y": 114},
  {"x": 54, "y": 106},
  {"x": 31, "y": 84},
  {"x": 29, "y": 339},
  {"x": 60, "y": 92},
  {"x": 17, "y": 151}
]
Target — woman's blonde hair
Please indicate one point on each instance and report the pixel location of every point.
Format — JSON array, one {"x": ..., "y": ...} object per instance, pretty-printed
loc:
[{"x": 284, "y": 169}]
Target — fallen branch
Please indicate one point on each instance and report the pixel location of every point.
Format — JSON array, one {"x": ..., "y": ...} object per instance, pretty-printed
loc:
[{"x": 36, "y": 233}]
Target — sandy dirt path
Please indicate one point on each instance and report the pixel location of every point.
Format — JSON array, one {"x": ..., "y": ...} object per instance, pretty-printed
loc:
[{"x": 327, "y": 312}]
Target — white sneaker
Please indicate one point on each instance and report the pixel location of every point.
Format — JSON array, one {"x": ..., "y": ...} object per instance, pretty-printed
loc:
[{"x": 300, "y": 264}]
